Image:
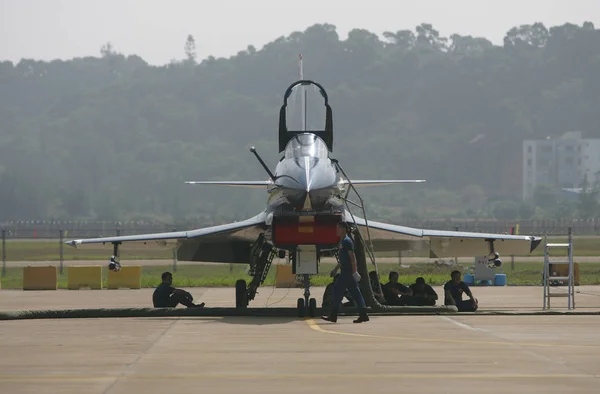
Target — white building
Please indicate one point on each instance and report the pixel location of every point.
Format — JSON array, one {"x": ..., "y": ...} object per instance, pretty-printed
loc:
[{"x": 562, "y": 162}]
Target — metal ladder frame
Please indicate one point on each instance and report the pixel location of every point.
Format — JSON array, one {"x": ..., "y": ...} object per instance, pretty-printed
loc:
[
  {"x": 570, "y": 278},
  {"x": 369, "y": 248}
]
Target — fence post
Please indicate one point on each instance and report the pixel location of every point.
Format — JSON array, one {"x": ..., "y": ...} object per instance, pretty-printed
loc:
[
  {"x": 174, "y": 259},
  {"x": 62, "y": 236},
  {"x": 3, "y": 252}
]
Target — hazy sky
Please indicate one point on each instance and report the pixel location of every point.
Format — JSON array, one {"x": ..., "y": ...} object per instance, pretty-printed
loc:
[{"x": 156, "y": 30}]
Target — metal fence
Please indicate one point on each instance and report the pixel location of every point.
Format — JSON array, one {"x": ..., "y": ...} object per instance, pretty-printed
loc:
[{"x": 85, "y": 229}]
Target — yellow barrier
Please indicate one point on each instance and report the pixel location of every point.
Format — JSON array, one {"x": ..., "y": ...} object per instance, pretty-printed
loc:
[
  {"x": 284, "y": 276},
  {"x": 128, "y": 277},
  {"x": 84, "y": 277},
  {"x": 40, "y": 278}
]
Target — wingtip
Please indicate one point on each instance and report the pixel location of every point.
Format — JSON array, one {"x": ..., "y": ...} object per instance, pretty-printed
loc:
[{"x": 535, "y": 242}]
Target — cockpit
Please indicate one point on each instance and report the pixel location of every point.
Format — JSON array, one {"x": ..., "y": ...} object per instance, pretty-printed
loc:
[{"x": 306, "y": 145}]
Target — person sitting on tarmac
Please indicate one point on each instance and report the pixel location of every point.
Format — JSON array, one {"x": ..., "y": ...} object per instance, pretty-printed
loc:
[
  {"x": 375, "y": 287},
  {"x": 328, "y": 295},
  {"x": 423, "y": 294},
  {"x": 454, "y": 290},
  {"x": 396, "y": 293},
  {"x": 166, "y": 296}
]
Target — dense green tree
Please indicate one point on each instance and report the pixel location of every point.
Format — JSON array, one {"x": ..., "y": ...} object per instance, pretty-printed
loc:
[{"x": 114, "y": 138}]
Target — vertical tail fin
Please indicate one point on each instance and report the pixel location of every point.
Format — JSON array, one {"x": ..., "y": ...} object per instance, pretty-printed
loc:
[{"x": 303, "y": 91}]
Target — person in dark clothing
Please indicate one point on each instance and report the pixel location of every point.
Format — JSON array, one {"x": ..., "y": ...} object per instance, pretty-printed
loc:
[
  {"x": 328, "y": 295},
  {"x": 348, "y": 279},
  {"x": 396, "y": 293},
  {"x": 375, "y": 287},
  {"x": 166, "y": 296},
  {"x": 454, "y": 289},
  {"x": 423, "y": 294}
]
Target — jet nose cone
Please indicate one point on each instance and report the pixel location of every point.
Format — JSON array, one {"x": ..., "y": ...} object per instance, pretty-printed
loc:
[{"x": 307, "y": 181}]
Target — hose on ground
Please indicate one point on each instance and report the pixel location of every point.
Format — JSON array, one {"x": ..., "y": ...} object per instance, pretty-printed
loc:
[{"x": 369, "y": 296}]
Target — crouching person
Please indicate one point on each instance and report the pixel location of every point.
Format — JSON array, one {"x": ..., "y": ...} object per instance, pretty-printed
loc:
[
  {"x": 166, "y": 296},
  {"x": 454, "y": 290},
  {"x": 423, "y": 294},
  {"x": 375, "y": 286}
]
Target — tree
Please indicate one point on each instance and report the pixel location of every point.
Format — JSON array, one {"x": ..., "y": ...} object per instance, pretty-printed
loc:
[
  {"x": 114, "y": 137},
  {"x": 190, "y": 49}
]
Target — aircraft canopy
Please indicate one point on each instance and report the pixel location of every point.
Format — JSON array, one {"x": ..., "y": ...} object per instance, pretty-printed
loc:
[{"x": 306, "y": 145}]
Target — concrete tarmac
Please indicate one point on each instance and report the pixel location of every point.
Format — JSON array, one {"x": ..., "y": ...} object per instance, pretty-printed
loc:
[{"x": 430, "y": 354}]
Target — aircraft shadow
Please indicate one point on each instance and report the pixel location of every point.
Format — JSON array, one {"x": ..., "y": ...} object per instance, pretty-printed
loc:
[{"x": 241, "y": 320}]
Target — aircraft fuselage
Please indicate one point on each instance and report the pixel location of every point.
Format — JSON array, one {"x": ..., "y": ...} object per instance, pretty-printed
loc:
[{"x": 306, "y": 195}]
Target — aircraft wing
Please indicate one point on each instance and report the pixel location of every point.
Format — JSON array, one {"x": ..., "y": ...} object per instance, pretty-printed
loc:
[
  {"x": 392, "y": 238},
  {"x": 223, "y": 243},
  {"x": 251, "y": 184},
  {"x": 260, "y": 184},
  {"x": 381, "y": 182}
]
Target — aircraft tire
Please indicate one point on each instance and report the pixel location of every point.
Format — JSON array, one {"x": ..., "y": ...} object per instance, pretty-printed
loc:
[
  {"x": 301, "y": 307},
  {"x": 312, "y": 307},
  {"x": 241, "y": 300}
]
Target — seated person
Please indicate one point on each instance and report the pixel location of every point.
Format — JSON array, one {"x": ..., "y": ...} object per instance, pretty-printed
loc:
[
  {"x": 375, "y": 287},
  {"x": 396, "y": 293},
  {"x": 423, "y": 294},
  {"x": 166, "y": 296},
  {"x": 454, "y": 289},
  {"x": 328, "y": 295}
]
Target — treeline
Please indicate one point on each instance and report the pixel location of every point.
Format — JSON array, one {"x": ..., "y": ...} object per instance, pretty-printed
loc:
[{"x": 113, "y": 138}]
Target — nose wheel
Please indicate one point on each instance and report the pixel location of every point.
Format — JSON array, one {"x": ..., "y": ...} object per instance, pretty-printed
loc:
[
  {"x": 306, "y": 306},
  {"x": 305, "y": 309}
]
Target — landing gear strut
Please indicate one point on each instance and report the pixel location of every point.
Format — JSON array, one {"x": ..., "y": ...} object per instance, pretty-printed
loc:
[
  {"x": 493, "y": 261},
  {"x": 261, "y": 257},
  {"x": 305, "y": 306},
  {"x": 114, "y": 264}
]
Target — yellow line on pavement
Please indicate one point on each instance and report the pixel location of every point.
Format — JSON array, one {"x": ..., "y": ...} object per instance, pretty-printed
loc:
[{"x": 312, "y": 324}]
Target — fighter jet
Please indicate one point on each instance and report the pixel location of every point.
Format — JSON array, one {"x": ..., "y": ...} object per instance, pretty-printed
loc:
[{"x": 307, "y": 198}]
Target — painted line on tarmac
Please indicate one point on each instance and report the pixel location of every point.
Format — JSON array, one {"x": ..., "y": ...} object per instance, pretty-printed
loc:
[
  {"x": 312, "y": 324},
  {"x": 461, "y": 325},
  {"x": 28, "y": 378}
]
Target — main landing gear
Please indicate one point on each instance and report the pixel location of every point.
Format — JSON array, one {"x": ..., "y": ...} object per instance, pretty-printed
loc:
[
  {"x": 114, "y": 264},
  {"x": 304, "y": 262},
  {"x": 261, "y": 257},
  {"x": 493, "y": 261}
]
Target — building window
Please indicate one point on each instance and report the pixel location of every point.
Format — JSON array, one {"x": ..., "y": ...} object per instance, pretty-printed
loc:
[
  {"x": 529, "y": 162},
  {"x": 529, "y": 149}
]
